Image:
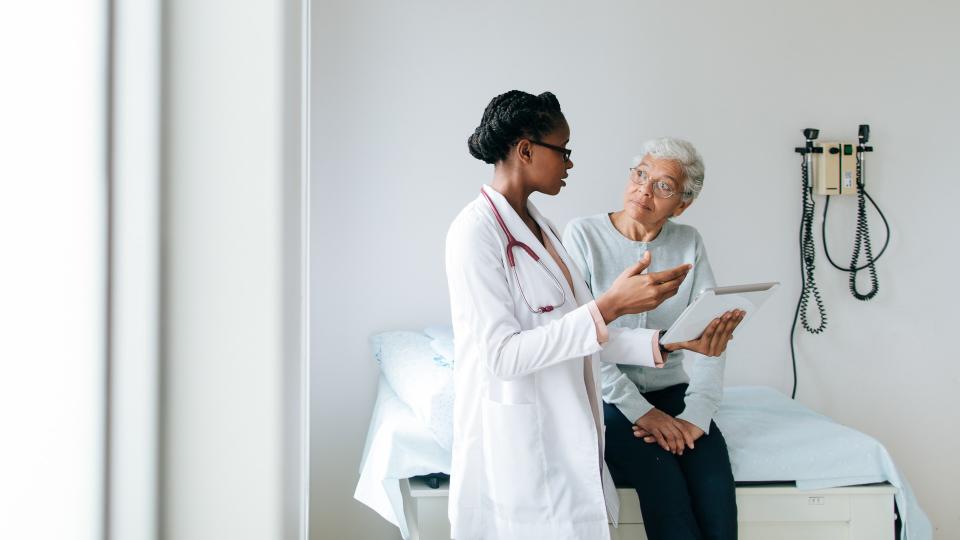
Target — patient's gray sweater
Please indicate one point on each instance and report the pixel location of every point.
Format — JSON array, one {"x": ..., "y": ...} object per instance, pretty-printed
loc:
[{"x": 601, "y": 252}]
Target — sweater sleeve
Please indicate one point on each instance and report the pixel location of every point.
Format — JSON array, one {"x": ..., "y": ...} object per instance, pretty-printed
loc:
[{"x": 620, "y": 391}]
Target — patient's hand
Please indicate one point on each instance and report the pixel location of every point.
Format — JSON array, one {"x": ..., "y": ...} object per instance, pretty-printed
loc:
[
  {"x": 715, "y": 336},
  {"x": 663, "y": 429},
  {"x": 690, "y": 433}
]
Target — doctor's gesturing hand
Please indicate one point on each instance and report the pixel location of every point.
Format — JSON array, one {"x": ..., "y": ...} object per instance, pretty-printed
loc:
[{"x": 636, "y": 292}]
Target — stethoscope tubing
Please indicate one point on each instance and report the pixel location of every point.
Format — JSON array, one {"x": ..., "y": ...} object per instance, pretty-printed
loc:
[{"x": 512, "y": 243}]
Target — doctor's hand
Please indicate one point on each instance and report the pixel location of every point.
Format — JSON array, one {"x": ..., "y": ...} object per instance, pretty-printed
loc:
[
  {"x": 634, "y": 292},
  {"x": 715, "y": 336},
  {"x": 658, "y": 426}
]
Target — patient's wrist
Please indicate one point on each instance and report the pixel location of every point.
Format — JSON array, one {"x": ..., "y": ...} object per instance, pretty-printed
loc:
[
  {"x": 664, "y": 351},
  {"x": 666, "y": 348}
]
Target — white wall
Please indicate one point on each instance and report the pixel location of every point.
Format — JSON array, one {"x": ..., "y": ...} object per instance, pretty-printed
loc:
[
  {"x": 399, "y": 86},
  {"x": 53, "y": 287}
]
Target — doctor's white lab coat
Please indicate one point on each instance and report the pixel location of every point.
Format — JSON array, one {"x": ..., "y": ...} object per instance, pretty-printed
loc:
[{"x": 528, "y": 429}]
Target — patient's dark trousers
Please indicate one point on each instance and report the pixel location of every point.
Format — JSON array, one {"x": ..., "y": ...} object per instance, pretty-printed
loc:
[{"x": 681, "y": 497}]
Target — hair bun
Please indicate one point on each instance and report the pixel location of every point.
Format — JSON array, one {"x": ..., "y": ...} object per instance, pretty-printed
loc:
[
  {"x": 479, "y": 145},
  {"x": 509, "y": 117}
]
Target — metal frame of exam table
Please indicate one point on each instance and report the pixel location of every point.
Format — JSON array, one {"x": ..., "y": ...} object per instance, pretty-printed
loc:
[{"x": 764, "y": 511}]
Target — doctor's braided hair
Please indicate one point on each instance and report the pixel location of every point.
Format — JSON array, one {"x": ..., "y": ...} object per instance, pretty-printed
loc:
[{"x": 510, "y": 117}]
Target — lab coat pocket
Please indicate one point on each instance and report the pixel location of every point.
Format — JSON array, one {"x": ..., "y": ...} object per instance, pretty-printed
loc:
[{"x": 514, "y": 461}]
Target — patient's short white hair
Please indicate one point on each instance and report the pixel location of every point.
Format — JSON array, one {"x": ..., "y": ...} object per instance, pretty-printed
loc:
[{"x": 684, "y": 153}]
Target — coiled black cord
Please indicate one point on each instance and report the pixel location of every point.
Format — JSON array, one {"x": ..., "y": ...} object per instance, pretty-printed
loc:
[
  {"x": 808, "y": 285},
  {"x": 862, "y": 236},
  {"x": 808, "y": 254}
]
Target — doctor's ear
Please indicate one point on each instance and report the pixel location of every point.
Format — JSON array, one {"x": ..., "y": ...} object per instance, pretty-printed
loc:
[{"x": 524, "y": 151}]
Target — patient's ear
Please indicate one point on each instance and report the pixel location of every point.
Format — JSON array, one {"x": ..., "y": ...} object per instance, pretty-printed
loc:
[{"x": 682, "y": 208}]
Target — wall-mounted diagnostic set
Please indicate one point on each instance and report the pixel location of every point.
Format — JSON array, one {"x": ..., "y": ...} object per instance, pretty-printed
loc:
[{"x": 829, "y": 169}]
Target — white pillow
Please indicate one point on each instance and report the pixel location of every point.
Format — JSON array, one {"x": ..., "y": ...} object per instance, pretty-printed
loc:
[
  {"x": 422, "y": 378},
  {"x": 444, "y": 333},
  {"x": 442, "y": 343}
]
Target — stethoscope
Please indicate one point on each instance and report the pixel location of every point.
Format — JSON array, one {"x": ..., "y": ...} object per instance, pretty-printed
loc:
[{"x": 514, "y": 243}]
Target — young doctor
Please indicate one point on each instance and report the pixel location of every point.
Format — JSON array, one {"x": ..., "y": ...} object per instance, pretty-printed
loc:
[{"x": 528, "y": 442}]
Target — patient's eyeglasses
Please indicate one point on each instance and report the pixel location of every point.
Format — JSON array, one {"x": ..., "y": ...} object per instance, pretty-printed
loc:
[
  {"x": 564, "y": 151},
  {"x": 661, "y": 189}
]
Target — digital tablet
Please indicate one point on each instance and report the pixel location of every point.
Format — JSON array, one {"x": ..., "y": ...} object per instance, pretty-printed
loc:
[{"x": 712, "y": 303}]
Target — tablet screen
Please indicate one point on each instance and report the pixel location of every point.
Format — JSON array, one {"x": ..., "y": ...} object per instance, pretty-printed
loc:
[{"x": 713, "y": 303}]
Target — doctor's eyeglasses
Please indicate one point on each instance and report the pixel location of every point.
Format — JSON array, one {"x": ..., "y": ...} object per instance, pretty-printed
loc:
[
  {"x": 563, "y": 151},
  {"x": 661, "y": 189}
]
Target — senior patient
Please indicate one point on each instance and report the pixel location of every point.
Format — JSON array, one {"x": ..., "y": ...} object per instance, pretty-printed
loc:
[{"x": 660, "y": 435}]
